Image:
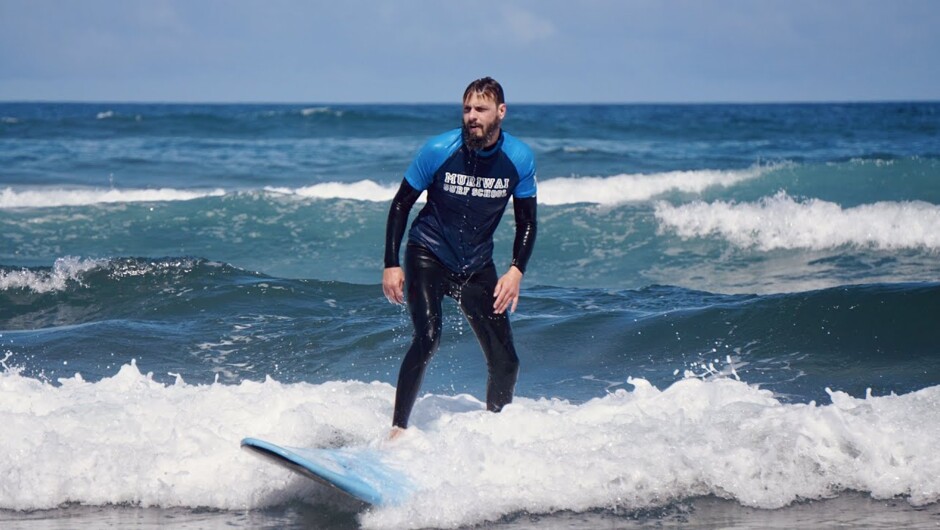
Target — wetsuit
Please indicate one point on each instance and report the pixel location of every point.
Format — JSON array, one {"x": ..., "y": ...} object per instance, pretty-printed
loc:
[{"x": 450, "y": 252}]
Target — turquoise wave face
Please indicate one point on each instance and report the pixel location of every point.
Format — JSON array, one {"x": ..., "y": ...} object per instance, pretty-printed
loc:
[
  {"x": 785, "y": 228},
  {"x": 211, "y": 320}
]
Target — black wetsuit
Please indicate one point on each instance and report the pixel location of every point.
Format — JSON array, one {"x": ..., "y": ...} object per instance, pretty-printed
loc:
[{"x": 449, "y": 252}]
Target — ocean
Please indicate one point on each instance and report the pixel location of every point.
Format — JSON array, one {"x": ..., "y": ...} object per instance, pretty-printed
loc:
[{"x": 731, "y": 318}]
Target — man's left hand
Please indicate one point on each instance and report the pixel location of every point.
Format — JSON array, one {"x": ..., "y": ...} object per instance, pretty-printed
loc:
[{"x": 507, "y": 291}]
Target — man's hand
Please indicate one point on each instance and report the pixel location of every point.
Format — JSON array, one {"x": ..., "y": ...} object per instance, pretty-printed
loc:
[
  {"x": 507, "y": 291},
  {"x": 393, "y": 284}
]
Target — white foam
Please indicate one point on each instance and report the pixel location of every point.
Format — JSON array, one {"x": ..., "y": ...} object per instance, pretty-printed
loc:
[
  {"x": 363, "y": 190},
  {"x": 780, "y": 222},
  {"x": 556, "y": 191},
  {"x": 312, "y": 111},
  {"x": 628, "y": 188},
  {"x": 129, "y": 439},
  {"x": 565, "y": 190},
  {"x": 64, "y": 270},
  {"x": 54, "y": 197}
]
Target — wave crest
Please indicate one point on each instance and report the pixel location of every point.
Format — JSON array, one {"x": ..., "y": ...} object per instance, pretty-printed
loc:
[
  {"x": 630, "y": 188},
  {"x": 51, "y": 198},
  {"x": 780, "y": 222},
  {"x": 363, "y": 190},
  {"x": 559, "y": 191},
  {"x": 611, "y": 190},
  {"x": 63, "y": 271},
  {"x": 72, "y": 270}
]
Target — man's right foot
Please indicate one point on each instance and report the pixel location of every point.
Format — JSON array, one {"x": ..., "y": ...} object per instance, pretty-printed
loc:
[{"x": 395, "y": 433}]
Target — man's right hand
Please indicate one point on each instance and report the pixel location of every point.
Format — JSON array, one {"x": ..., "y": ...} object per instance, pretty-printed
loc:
[{"x": 393, "y": 283}]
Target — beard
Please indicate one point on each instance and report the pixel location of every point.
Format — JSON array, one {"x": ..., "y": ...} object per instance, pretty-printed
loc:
[{"x": 488, "y": 137}]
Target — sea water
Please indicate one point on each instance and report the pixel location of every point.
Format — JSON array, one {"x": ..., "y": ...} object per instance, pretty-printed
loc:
[{"x": 730, "y": 319}]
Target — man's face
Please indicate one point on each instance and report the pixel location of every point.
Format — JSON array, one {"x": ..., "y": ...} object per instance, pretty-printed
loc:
[{"x": 481, "y": 120}]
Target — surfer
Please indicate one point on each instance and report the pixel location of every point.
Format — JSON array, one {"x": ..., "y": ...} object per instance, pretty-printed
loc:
[{"x": 469, "y": 174}]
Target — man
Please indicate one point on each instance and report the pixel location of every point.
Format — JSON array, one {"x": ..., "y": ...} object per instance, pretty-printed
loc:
[{"x": 469, "y": 174}]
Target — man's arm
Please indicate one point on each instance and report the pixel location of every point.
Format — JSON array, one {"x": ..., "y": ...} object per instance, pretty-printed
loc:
[
  {"x": 393, "y": 277},
  {"x": 508, "y": 286},
  {"x": 526, "y": 228}
]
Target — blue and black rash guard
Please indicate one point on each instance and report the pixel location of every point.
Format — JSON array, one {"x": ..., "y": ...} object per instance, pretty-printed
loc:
[{"x": 467, "y": 194}]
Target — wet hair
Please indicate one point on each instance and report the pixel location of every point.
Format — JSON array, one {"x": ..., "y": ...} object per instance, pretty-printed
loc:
[{"x": 487, "y": 87}]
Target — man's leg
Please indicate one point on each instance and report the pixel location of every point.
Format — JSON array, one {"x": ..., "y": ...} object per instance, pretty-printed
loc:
[
  {"x": 495, "y": 336},
  {"x": 425, "y": 281}
]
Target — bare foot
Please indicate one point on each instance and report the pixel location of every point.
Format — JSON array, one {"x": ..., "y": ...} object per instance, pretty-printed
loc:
[{"x": 396, "y": 432}]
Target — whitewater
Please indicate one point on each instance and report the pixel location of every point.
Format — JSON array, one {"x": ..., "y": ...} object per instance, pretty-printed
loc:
[{"x": 127, "y": 440}]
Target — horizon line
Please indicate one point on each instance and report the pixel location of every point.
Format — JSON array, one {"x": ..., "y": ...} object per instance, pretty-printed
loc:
[{"x": 393, "y": 103}]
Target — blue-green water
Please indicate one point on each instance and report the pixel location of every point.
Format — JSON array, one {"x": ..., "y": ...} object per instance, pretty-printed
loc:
[{"x": 788, "y": 249}]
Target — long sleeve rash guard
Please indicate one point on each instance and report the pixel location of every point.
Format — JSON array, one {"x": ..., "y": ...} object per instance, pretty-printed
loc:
[{"x": 467, "y": 194}]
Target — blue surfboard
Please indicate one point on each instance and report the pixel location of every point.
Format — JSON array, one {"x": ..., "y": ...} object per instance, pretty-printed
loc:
[{"x": 358, "y": 472}]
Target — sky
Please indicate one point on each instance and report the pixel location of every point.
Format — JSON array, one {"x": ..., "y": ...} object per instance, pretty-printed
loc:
[{"x": 426, "y": 51}]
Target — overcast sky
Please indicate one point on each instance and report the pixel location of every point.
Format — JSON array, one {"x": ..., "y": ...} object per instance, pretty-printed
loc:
[{"x": 380, "y": 51}]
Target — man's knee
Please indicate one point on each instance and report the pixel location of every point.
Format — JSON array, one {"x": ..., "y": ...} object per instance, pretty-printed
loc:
[{"x": 428, "y": 339}]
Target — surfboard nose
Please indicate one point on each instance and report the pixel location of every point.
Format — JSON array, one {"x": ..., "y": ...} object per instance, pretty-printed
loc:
[{"x": 357, "y": 471}]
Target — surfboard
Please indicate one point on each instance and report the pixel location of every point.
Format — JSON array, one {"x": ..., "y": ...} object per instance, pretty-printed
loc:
[{"x": 358, "y": 472}]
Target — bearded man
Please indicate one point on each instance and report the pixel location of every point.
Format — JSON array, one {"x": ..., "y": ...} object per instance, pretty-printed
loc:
[{"x": 469, "y": 175}]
